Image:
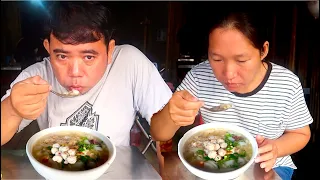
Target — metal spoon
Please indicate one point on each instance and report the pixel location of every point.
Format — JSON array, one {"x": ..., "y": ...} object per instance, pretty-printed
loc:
[
  {"x": 70, "y": 94},
  {"x": 221, "y": 107}
]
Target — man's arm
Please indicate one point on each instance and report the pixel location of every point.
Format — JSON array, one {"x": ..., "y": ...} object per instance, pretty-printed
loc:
[
  {"x": 27, "y": 99},
  {"x": 10, "y": 121}
]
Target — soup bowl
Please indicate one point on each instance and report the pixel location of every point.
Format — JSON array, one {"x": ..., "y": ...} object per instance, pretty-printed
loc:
[
  {"x": 232, "y": 174},
  {"x": 52, "y": 173}
]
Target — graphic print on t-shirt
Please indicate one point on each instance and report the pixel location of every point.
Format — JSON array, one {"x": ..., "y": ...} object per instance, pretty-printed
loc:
[{"x": 84, "y": 116}]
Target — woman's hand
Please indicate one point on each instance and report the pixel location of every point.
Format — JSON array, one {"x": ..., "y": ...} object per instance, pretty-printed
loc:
[
  {"x": 268, "y": 153},
  {"x": 183, "y": 108}
]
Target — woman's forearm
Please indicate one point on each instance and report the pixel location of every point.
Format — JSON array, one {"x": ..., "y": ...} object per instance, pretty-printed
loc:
[
  {"x": 293, "y": 141},
  {"x": 162, "y": 127}
]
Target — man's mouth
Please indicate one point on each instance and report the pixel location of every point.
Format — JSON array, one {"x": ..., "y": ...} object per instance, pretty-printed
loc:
[{"x": 78, "y": 88}]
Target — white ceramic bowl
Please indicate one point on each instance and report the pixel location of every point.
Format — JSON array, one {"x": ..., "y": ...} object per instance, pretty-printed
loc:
[
  {"x": 210, "y": 175},
  {"x": 55, "y": 174}
]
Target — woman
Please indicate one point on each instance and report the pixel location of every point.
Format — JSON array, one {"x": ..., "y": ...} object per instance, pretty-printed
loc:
[{"x": 267, "y": 99}]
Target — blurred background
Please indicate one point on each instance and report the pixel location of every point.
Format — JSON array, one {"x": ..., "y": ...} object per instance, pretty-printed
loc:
[{"x": 173, "y": 36}]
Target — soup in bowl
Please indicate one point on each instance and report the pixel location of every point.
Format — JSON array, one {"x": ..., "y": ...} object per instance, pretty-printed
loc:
[
  {"x": 217, "y": 151},
  {"x": 70, "y": 152}
]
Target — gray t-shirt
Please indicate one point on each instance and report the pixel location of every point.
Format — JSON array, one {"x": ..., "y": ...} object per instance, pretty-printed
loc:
[{"x": 130, "y": 84}]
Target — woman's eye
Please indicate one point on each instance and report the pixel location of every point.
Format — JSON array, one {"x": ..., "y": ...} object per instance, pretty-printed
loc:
[
  {"x": 242, "y": 61},
  {"x": 61, "y": 56},
  {"x": 217, "y": 60},
  {"x": 89, "y": 58}
]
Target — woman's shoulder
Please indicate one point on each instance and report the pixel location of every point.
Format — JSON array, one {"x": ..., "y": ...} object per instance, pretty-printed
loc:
[
  {"x": 202, "y": 67},
  {"x": 282, "y": 74}
]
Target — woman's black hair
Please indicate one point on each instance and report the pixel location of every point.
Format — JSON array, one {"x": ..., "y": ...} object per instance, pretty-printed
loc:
[
  {"x": 252, "y": 24},
  {"x": 78, "y": 22}
]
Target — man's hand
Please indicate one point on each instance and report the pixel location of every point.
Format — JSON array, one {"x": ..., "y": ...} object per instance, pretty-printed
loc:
[
  {"x": 29, "y": 97},
  {"x": 183, "y": 108}
]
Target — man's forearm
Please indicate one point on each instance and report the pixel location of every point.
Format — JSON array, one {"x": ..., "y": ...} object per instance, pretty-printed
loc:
[
  {"x": 162, "y": 127},
  {"x": 292, "y": 142},
  {"x": 10, "y": 121}
]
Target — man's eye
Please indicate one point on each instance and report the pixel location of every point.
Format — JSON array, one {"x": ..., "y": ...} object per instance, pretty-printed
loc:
[
  {"x": 61, "y": 56},
  {"x": 242, "y": 61},
  {"x": 89, "y": 58},
  {"x": 217, "y": 60}
]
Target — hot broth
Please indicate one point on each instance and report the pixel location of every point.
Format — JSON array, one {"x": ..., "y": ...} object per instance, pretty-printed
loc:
[
  {"x": 217, "y": 150},
  {"x": 70, "y": 151}
]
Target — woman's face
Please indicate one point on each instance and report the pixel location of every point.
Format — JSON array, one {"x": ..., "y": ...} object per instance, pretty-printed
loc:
[{"x": 235, "y": 62}]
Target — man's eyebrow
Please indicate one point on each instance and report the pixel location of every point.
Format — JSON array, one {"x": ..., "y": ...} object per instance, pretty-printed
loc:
[
  {"x": 89, "y": 51},
  {"x": 60, "y": 51}
]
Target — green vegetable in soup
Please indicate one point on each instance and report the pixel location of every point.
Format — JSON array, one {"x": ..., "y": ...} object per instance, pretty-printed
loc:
[
  {"x": 62, "y": 164},
  {"x": 200, "y": 152},
  {"x": 83, "y": 145},
  {"x": 85, "y": 159},
  {"x": 230, "y": 141},
  {"x": 242, "y": 153}
]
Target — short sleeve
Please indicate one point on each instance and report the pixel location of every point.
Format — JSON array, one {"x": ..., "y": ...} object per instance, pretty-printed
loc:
[
  {"x": 189, "y": 83},
  {"x": 299, "y": 112},
  {"x": 151, "y": 93}
]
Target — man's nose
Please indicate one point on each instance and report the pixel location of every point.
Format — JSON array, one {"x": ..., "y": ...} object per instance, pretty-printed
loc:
[{"x": 75, "y": 68}]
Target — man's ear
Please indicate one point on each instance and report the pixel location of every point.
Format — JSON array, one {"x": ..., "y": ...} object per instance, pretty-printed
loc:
[
  {"x": 46, "y": 45},
  {"x": 264, "y": 50},
  {"x": 111, "y": 46}
]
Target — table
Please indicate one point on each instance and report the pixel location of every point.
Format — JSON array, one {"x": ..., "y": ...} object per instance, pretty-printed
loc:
[
  {"x": 128, "y": 164},
  {"x": 175, "y": 170}
]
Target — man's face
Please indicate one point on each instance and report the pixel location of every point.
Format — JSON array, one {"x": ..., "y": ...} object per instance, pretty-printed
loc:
[{"x": 81, "y": 66}]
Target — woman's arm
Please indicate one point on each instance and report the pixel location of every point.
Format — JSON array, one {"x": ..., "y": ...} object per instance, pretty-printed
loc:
[{"x": 293, "y": 141}]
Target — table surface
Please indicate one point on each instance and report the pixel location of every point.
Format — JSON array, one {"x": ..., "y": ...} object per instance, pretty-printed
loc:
[
  {"x": 128, "y": 164},
  {"x": 175, "y": 170}
]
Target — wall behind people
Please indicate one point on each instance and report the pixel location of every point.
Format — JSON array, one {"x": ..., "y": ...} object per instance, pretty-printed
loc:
[
  {"x": 10, "y": 29},
  {"x": 127, "y": 18}
]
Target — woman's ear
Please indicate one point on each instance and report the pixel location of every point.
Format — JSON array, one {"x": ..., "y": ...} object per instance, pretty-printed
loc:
[{"x": 264, "y": 50}]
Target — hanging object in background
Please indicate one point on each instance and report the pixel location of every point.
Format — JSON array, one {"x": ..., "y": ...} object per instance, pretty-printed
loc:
[
  {"x": 313, "y": 7},
  {"x": 162, "y": 35},
  {"x": 146, "y": 22}
]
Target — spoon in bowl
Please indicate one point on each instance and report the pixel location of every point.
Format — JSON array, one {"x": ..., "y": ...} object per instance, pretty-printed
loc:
[
  {"x": 221, "y": 107},
  {"x": 70, "y": 94}
]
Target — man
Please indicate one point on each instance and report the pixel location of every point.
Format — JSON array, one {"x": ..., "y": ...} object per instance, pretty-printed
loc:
[{"x": 115, "y": 82}]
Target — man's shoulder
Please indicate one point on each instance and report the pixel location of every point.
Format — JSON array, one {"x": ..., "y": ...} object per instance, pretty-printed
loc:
[
  {"x": 127, "y": 49},
  {"x": 39, "y": 68},
  {"x": 128, "y": 55}
]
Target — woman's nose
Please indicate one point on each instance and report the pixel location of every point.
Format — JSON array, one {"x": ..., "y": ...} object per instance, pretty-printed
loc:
[
  {"x": 230, "y": 76},
  {"x": 230, "y": 72}
]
